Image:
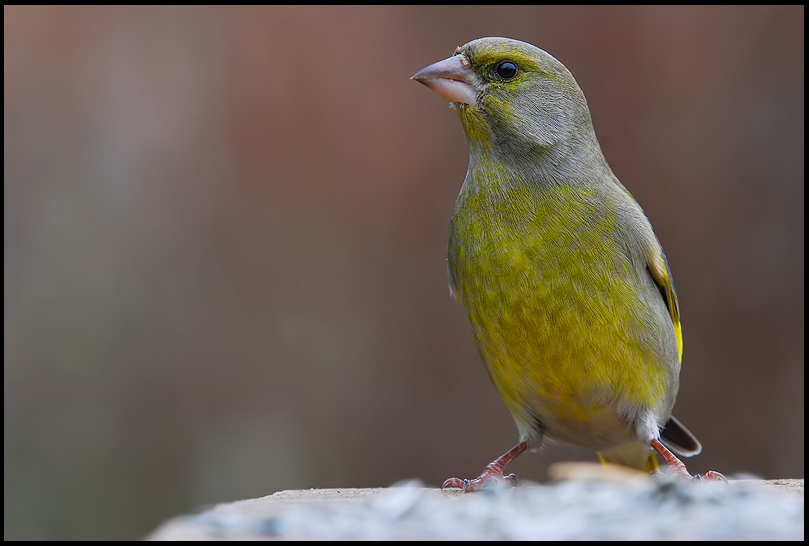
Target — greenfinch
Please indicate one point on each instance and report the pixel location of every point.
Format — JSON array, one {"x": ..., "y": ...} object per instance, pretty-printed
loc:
[{"x": 567, "y": 289}]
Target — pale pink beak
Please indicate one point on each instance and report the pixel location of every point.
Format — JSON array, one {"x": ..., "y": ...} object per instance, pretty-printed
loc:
[{"x": 451, "y": 78}]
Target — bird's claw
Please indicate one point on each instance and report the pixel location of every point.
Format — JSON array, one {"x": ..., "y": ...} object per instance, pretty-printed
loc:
[
  {"x": 711, "y": 475},
  {"x": 454, "y": 483},
  {"x": 491, "y": 475},
  {"x": 487, "y": 479}
]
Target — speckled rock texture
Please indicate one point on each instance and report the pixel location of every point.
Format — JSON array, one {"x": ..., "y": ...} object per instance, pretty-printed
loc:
[{"x": 591, "y": 509}]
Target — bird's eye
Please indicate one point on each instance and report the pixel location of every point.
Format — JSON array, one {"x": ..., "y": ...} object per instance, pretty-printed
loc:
[{"x": 506, "y": 70}]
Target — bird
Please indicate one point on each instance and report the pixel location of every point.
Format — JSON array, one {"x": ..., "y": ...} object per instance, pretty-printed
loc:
[{"x": 566, "y": 287}]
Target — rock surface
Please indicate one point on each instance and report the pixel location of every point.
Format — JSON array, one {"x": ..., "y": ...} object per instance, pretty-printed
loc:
[{"x": 601, "y": 509}]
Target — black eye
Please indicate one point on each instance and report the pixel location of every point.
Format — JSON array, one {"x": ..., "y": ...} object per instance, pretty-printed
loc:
[{"x": 506, "y": 70}]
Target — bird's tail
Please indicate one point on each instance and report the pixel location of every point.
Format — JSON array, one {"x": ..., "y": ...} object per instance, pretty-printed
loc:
[{"x": 679, "y": 439}]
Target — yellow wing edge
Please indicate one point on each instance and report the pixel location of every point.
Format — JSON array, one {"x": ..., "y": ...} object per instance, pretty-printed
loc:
[{"x": 658, "y": 267}]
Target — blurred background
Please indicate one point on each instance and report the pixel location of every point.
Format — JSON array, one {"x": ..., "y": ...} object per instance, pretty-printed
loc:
[{"x": 225, "y": 238}]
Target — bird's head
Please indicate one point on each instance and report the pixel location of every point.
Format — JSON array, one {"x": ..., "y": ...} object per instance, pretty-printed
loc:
[{"x": 514, "y": 99}]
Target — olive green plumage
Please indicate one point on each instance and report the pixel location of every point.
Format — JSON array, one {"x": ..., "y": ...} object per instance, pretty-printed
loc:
[{"x": 564, "y": 282}]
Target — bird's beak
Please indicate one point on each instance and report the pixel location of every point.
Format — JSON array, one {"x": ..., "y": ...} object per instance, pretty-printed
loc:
[{"x": 451, "y": 78}]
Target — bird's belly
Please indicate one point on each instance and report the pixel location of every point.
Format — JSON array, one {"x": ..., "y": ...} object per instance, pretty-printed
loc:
[
  {"x": 564, "y": 336},
  {"x": 577, "y": 378}
]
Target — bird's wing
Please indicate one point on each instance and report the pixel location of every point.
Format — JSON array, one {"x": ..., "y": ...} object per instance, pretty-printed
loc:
[{"x": 658, "y": 268}]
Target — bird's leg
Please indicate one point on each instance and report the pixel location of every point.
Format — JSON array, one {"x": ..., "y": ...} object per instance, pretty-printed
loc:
[
  {"x": 679, "y": 467},
  {"x": 492, "y": 473}
]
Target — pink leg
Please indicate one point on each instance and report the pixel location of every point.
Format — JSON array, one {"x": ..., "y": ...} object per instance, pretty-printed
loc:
[
  {"x": 492, "y": 473},
  {"x": 679, "y": 467}
]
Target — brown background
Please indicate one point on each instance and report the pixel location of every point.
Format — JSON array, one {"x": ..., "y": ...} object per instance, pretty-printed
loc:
[{"x": 225, "y": 234}]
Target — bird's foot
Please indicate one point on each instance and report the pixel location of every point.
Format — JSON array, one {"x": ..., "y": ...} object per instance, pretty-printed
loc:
[
  {"x": 679, "y": 469},
  {"x": 711, "y": 475},
  {"x": 492, "y": 474}
]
